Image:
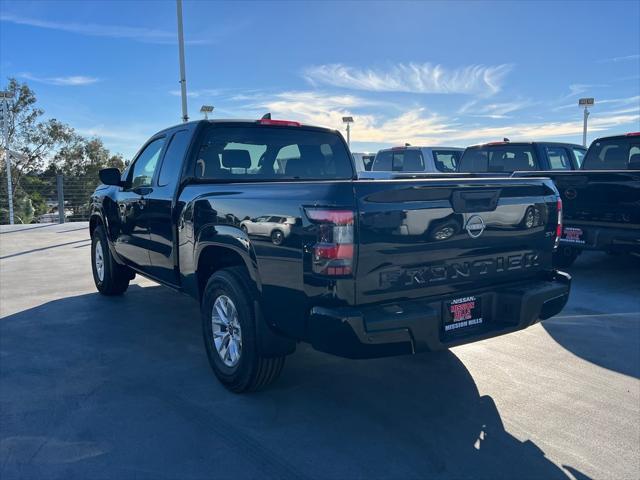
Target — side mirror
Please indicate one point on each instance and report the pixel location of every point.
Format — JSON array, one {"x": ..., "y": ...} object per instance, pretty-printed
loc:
[{"x": 110, "y": 176}]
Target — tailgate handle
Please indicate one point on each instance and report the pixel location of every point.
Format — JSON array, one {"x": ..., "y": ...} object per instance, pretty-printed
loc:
[{"x": 479, "y": 201}]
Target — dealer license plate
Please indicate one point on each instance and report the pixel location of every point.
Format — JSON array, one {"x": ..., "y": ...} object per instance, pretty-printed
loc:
[{"x": 462, "y": 313}]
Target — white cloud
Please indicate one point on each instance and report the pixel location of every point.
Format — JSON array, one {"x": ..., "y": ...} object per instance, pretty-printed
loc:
[
  {"x": 576, "y": 89},
  {"x": 413, "y": 78},
  {"x": 68, "y": 81},
  {"x": 624, "y": 58},
  {"x": 494, "y": 110},
  {"x": 142, "y": 34},
  {"x": 205, "y": 92},
  {"x": 417, "y": 125},
  {"x": 546, "y": 130}
]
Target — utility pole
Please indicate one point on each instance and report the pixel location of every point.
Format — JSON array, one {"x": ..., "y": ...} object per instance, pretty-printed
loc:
[
  {"x": 585, "y": 102},
  {"x": 183, "y": 79},
  {"x": 4, "y": 118}
]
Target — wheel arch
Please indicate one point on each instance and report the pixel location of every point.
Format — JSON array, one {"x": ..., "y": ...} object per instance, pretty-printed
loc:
[{"x": 221, "y": 247}]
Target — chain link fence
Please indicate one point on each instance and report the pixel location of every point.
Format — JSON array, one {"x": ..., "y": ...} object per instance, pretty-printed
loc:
[{"x": 47, "y": 199}]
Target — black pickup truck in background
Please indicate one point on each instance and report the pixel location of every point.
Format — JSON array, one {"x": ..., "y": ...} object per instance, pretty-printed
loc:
[
  {"x": 363, "y": 268},
  {"x": 602, "y": 200},
  {"x": 600, "y": 189}
]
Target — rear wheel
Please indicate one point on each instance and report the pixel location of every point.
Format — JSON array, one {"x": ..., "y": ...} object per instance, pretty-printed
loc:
[
  {"x": 565, "y": 256},
  {"x": 229, "y": 330},
  {"x": 109, "y": 277}
]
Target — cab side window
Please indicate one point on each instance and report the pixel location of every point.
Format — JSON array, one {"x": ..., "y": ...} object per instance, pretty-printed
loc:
[
  {"x": 579, "y": 154},
  {"x": 558, "y": 158},
  {"x": 145, "y": 165},
  {"x": 173, "y": 158}
]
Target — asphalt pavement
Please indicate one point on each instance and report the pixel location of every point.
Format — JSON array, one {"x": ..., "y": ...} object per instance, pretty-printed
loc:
[{"x": 96, "y": 387}]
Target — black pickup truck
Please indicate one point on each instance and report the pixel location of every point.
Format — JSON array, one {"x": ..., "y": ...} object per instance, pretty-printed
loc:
[
  {"x": 359, "y": 268},
  {"x": 600, "y": 189},
  {"x": 601, "y": 200}
]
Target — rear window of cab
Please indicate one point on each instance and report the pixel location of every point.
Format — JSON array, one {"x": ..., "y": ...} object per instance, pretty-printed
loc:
[
  {"x": 248, "y": 152},
  {"x": 498, "y": 158},
  {"x": 400, "y": 160},
  {"x": 613, "y": 154}
]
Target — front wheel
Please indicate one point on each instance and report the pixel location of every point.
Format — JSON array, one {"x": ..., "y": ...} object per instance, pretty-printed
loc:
[
  {"x": 277, "y": 237},
  {"x": 229, "y": 330},
  {"x": 109, "y": 277}
]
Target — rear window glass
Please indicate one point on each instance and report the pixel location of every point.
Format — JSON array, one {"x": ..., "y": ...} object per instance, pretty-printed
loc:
[
  {"x": 398, "y": 161},
  {"x": 446, "y": 160},
  {"x": 613, "y": 154},
  {"x": 558, "y": 158},
  {"x": 499, "y": 158},
  {"x": 271, "y": 153}
]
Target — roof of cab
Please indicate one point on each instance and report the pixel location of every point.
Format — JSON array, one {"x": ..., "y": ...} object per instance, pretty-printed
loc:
[
  {"x": 235, "y": 121},
  {"x": 622, "y": 135},
  {"x": 498, "y": 144},
  {"x": 416, "y": 147}
]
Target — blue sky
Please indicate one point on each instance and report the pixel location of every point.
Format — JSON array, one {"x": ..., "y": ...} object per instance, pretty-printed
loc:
[{"x": 452, "y": 73}]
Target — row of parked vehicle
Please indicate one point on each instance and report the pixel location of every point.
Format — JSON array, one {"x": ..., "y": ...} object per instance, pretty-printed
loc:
[{"x": 600, "y": 187}]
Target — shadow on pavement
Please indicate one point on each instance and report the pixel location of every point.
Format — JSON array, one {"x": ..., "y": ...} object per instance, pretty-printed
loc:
[
  {"x": 601, "y": 323},
  {"x": 120, "y": 387},
  {"x": 33, "y": 250},
  {"x": 20, "y": 228}
]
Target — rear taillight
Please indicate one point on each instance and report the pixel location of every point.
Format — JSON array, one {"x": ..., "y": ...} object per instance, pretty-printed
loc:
[
  {"x": 559, "y": 224},
  {"x": 332, "y": 254}
]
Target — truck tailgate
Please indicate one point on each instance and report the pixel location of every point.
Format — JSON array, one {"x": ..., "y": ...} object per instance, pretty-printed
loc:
[{"x": 450, "y": 235}]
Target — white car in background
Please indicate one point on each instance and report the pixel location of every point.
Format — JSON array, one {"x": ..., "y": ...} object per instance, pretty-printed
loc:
[
  {"x": 409, "y": 159},
  {"x": 276, "y": 227}
]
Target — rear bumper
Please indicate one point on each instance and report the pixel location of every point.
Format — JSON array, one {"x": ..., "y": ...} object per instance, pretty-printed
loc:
[
  {"x": 605, "y": 238},
  {"x": 416, "y": 325}
]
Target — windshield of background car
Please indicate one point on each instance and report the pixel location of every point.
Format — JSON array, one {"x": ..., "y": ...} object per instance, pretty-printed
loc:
[
  {"x": 446, "y": 160},
  {"x": 613, "y": 154},
  {"x": 247, "y": 152},
  {"x": 398, "y": 161},
  {"x": 498, "y": 158}
]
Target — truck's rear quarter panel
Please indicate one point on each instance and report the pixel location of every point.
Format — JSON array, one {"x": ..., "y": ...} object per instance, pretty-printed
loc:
[{"x": 214, "y": 217}]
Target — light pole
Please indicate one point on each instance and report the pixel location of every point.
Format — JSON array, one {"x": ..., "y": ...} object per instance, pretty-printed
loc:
[
  {"x": 585, "y": 102},
  {"x": 4, "y": 118},
  {"x": 206, "y": 109},
  {"x": 183, "y": 78},
  {"x": 348, "y": 121}
]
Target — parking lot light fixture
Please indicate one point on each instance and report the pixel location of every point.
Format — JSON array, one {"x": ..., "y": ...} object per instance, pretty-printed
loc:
[
  {"x": 585, "y": 102},
  {"x": 206, "y": 110},
  {"x": 348, "y": 121}
]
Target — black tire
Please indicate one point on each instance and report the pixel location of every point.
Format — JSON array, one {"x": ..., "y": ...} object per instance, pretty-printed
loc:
[
  {"x": 244, "y": 229},
  {"x": 565, "y": 256},
  {"x": 115, "y": 278},
  {"x": 277, "y": 237},
  {"x": 252, "y": 371}
]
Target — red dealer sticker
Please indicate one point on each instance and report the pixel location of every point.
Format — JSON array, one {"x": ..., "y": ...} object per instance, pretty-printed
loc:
[
  {"x": 572, "y": 235},
  {"x": 462, "y": 313}
]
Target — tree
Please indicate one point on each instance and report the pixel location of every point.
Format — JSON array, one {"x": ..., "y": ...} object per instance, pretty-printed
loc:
[
  {"x": 43, "y": 149},
  {"x": 79, "y": 161},
  {"x": 31, "y": 137}
]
